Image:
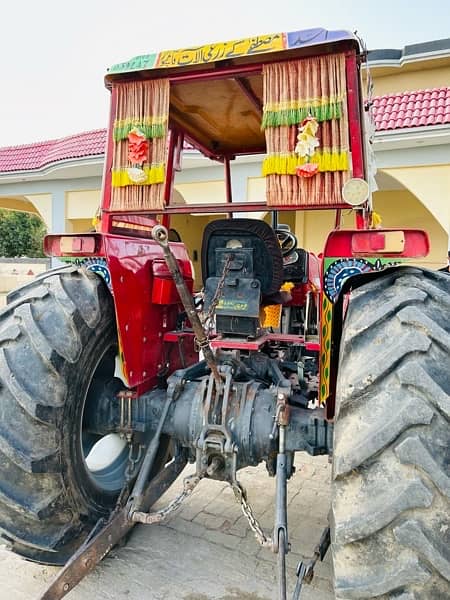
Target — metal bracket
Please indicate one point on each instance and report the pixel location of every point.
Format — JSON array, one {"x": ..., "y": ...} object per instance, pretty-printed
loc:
[
  {"x": 215, "y": 450},
  {"x": 126, "y": 399},
  {"x": 305, "y": 570}
]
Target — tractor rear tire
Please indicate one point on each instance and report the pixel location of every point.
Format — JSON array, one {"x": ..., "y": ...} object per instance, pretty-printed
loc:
[
  {"x": 391, "y": 486},
  {"x": 58, "y": 342}
]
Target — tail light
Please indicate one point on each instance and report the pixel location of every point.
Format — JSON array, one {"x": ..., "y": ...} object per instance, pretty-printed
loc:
[{"x": 73, "y": 245}]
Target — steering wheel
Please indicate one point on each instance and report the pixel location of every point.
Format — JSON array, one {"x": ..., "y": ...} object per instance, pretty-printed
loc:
[{"x": 287, "y": 241}]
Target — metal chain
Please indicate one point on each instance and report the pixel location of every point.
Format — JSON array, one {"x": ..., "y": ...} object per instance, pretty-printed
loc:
[
  {"x": 241, "y": 497},
  {"x": 207, "y": 320},
  {"x": 189, "y": 484},
  {"x": 129, "y": 470}
]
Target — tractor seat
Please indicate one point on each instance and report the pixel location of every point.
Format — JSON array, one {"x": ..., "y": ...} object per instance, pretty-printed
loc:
[
  {"x": 244, "y": 236},
  {"x": 250, "y": 252}
]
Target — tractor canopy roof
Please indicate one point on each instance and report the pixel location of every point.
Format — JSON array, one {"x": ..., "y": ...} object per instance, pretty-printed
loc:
[
  {"x": 258, "y": 95},
  {"x": 216, "y": 90}
]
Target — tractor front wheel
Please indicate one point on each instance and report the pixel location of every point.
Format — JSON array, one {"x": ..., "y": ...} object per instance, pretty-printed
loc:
[{"x": 391, "y": 486}]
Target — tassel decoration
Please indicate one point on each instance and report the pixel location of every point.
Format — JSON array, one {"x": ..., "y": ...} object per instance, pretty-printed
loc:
[
  {"x": 322, "y": 110},
  {"x": 130, "y": 176},
  {"x": 286, "y": 164},
  {"x": 305, "y": 123},
  {"x": 140, "y": 145},
  {"x": 151, "y": 128}
]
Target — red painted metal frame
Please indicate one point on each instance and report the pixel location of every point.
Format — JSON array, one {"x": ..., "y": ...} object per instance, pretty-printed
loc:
[
  {"x": 141, "y": 323},
  {"x": 228, "y": 189},
  {"x": 354, "y": 114},
  {"x": 231, "y": 208},
  {"x": 202, "y": 148},
  {"x": 106, "y": 191},
  {"x": 257, "y": 343},
  {"x": 354, "y": 107},
  {"x": 245, "y": 87},
  {"x": 239, "y": 344},
  {"x": 170, "y": 173}
]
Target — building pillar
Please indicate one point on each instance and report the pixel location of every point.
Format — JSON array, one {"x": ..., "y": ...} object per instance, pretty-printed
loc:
[
  {"x": 58, "y": 219},
  {"x": 58, "y": 211}
]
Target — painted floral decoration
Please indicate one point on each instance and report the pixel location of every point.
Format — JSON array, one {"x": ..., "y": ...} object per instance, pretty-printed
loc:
[
  {"x": 307, "y": 170},
  {"x": 138, "y": 148},
  {"x": 307, "y": 142}
]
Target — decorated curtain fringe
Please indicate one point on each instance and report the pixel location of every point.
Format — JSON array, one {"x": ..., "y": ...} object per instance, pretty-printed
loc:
[
  {"x": 144, "y": 105},
  {"x": 294, "y": 90},
  {"x": 274, "y": 117},
  {"x": 151, "y": 129},
  {"x": 155, "y": 174},
  {"x": 324, "y": 189},
  {"x": 138, "y": 197},
  {"x": 285, "y": 164}
]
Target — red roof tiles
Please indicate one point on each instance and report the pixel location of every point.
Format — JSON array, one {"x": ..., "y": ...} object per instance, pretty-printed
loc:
[
  {"x": 412, "y": 109},
  {"x": 392, "y": 111},
  {"x": 31, "y": 157}
]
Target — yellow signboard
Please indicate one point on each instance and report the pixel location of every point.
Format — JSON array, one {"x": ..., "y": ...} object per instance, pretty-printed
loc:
[{"x": 222, "y": 51}]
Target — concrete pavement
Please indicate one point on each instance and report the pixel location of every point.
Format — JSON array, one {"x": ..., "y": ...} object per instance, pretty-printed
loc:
[{"x": 204, "y": 552}]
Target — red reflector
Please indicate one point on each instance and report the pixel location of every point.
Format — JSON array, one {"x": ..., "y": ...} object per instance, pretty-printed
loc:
[
  {"x": 365, "y": 242},
  {"x": 368, "y": 243},
  {"x": 66, "y": 245},
  {"x": 74, "y": 244},
  {"x": 405, "y": 243},
  {"x": 160, "y": 269}
]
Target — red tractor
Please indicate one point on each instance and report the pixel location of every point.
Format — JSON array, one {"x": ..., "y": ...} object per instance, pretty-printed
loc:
[{"x": 273, "y": 352}]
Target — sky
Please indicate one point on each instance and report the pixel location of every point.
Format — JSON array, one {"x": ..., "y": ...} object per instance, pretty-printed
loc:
[{"x": 54, "y": 53}]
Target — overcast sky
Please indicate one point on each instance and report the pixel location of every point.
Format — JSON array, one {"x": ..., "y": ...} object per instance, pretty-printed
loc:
[{"x": 54, "y": 53}]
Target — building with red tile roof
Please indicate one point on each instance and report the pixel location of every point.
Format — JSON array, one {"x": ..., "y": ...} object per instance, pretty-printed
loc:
[
  {"x": 30, "y": 157},
  {"x": 405, "y": 110},
  {"x": 420, "y": 108}
]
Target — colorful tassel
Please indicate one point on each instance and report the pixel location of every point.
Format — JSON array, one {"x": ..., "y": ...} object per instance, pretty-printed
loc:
[
  {"x": 282, "y": 114},
  {"x": 154, "y": 127},
  {"x": 286, "y": 164},
  {"x": 154, "y": 174}
]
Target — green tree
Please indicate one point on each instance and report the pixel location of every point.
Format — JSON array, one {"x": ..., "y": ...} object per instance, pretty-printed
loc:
[{"x": 21, "y": 234}]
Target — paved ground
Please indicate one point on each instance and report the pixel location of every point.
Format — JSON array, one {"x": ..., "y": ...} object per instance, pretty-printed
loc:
[{"x": 205, "y": 552}]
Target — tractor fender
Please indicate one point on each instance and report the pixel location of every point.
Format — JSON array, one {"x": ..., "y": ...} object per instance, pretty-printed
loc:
[{"x": 337, "y": 319}]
